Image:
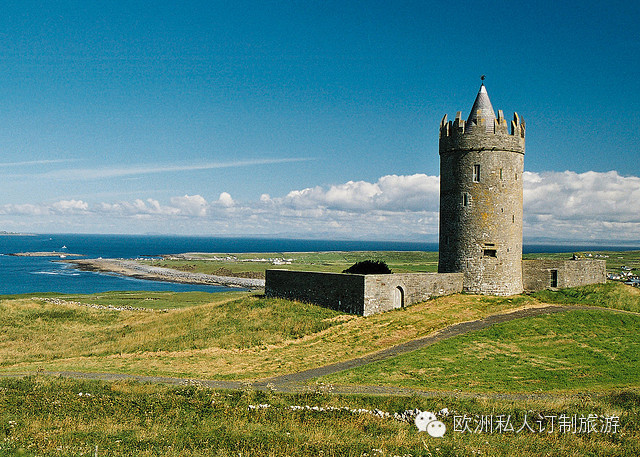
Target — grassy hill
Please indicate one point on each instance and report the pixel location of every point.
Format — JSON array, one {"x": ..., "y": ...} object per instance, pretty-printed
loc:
[
  {"x": 243, "y": 336},
  {"x": 576, "y": 350},
  {"x": 591, "y": 354}
]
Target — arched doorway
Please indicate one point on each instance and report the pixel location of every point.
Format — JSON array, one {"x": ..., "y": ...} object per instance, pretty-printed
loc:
[{"x": 398, "y": 297}]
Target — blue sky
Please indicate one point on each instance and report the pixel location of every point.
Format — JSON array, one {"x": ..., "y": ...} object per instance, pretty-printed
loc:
[{"x": 308, "y": 119}]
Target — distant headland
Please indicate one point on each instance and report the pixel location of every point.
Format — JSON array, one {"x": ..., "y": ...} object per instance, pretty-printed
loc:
[
  {"x": 45, "y": 254},
  {"x": 5, "y": 233}
]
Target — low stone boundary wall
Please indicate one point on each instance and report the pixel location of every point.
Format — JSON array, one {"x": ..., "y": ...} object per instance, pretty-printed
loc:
[
  {"x": 547, "y": 273},
  {"x": 360, "y": 294},
  {"x": 337, "y": 291}
]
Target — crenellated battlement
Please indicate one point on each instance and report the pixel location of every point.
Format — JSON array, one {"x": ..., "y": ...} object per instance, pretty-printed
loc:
[{"x": 479, "y": 126}]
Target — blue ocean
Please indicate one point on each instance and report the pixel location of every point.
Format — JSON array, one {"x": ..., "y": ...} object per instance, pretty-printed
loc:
[{"x": 46, "y": 274}]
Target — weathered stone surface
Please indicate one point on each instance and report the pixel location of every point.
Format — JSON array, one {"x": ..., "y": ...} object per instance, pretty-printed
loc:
[
  {"x": 342, "y": 292},
  {"x": 387, "y": 292},
  {"x": 539, "y": 274},
  {"x": 481, "y": 212},
  {"x": 360, "y": 294}
]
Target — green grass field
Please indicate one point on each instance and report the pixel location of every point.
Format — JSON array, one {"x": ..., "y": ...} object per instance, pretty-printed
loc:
[
  {"x": 230, "y": 336},
  {"x": 610, "y": 295},
  {"x": 143, "y": 300},
  {"x": 615, "y": 259},
  {"x": 334, "y": 262},
  {"x": 576, "y": 350},
  {"x": 582, "y": 362},
  {"x": 398, "y": 261},
  {"x": 58, "y": 417}
]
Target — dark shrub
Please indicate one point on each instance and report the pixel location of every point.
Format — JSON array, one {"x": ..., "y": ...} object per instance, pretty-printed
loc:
[{"x": 369, "y": 267}]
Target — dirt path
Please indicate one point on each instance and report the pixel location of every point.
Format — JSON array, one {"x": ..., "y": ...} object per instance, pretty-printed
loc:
[{"x": 295, "y": 382}]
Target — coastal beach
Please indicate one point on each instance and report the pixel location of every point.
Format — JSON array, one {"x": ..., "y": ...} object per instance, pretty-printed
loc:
[{"x": 134, "y": 269}]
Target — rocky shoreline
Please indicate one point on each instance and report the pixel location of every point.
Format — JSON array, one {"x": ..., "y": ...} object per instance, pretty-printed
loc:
[
  {"x": 44, "y": 254},
  {"x": 137, "y": 270}
]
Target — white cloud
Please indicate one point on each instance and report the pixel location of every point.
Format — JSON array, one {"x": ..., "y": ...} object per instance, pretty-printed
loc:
[
  {"x": 70, "y": 206},
  {"x": 411, "y": 193},
  {"x": 191, "y": 205},
  {"x": 558, "y": 206},
  {"x": 187, "y": 205},
  {"x": 589, "y": 205},
  {"x": 225, "y": 200},
  {"x": 59, "y": 207},
  {"x": 24, "y": 209},
  {"x": 138, "y": 207},
  {"x": 570, "y": 195},
  {"x": 417, "y": 192},
  {"x": 134, "y": 170},
  {"x": 35, "y": 162}
]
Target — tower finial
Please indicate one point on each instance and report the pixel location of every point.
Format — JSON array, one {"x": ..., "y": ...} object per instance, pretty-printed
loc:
[
  {"x": 482, "y": 78},
  {"x": 482, "y": 109}
]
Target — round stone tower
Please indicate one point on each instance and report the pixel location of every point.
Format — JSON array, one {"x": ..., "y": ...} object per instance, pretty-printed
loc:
[{"x": 481, "y": 165}]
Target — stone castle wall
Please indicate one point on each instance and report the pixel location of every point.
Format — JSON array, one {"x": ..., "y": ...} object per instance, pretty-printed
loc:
[
  {"x": 547, "y": 273},
  {"x": 386, "y": 292},
  {"x": 481, "y": 209},
  {"x": 341, "y": 292},
  {"x": 360, "y": 294}
]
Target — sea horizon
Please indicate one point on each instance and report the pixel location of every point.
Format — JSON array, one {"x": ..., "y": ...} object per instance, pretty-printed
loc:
[
  {"x": 47, "y": 274},
  {"x": 324, "y": 242}
]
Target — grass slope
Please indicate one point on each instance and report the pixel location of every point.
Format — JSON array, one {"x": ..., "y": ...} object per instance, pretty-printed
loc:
[
  {"x": 243, "y": 336},
  {"x": 142, "y": 300},
  {"x": 610, "y": 295},
  {"x": 231, "y": 337},
  {"x": 566, "y": 351}
]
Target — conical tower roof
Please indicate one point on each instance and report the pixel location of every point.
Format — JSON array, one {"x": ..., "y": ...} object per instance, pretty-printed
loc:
[{"x": 482, "y": 109}]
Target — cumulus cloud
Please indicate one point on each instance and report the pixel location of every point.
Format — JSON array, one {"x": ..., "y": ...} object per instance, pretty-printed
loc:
[
  {"x": 570, "y": 195},
  {"x": 587, "y": 205},
  {"x": 191, "y": 205},
  {"x": 225, "y": 200},
  {"x": 70, "y": 206},
  {"x": 59, "y": 207},
  {"x": 417, "y": 192},
  {"x": 187, "y": 205},
  {"x": 138, "y": 207},
  {"x": 557, "y": 206}
]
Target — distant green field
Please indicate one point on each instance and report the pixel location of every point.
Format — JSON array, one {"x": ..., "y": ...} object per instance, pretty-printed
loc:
[
  {"x": 398, "y": 261},
  {"x": 612, "y": 294},
  {"x": 615, "y": 259},
  {"x": 138, "y": 300}
]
